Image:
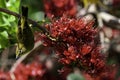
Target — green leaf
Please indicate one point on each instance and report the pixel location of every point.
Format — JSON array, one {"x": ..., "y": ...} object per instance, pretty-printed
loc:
[
  {"x": 4, "y": 33},
  {"x": 16, "y": 4},
  {"x": 38, "y": 16},
  {"x": 6, "y": 22},
  {"x": 4, "y": 42},
  {"x": 75, "y": 76},
  {"x": 2, "y": 3},
  {"x": 11, "y": 19}
]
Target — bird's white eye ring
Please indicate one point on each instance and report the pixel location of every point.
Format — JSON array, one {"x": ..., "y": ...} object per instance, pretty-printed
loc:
[{"x": 20, "y": 51}]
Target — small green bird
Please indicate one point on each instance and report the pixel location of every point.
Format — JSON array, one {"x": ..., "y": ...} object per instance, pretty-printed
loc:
[{"x": 25, "y": 35}]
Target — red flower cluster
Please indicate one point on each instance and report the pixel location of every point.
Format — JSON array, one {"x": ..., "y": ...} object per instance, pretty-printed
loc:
[
  {"x": 33, "y": 71},
  {"x": 108, "y": 75},
  {"x": 77, "y": 43},
  {"x": 60, "y": 7},
  {"x": 4, "y": 76}
]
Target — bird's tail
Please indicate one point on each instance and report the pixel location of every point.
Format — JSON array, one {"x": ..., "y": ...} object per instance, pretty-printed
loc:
[{"x": 25, "y": 11}]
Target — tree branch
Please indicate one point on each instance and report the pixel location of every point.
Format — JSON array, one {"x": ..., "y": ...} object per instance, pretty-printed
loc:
[{"x": 43, "y": 30}]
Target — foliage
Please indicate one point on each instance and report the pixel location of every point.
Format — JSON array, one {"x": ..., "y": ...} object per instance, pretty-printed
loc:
[
  {"x": 74, "y": 76},
  {"x": 8, "y": 24}
]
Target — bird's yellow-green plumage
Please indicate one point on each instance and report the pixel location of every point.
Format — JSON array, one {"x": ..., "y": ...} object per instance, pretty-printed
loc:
[{"x": 25, "y": 35}]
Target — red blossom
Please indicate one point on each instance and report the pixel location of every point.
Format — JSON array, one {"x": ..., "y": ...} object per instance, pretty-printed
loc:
[
  {"x": 4, "y": 76},
  {"x": 60, "y": 7},
  {"x": 86, "y": 49},
  {"x": 76, "y": 43},
  {"x": 33, "y": 70}
]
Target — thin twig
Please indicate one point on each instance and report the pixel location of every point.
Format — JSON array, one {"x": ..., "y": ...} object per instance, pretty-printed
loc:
[
  {"x": 9, "y": 12},
  {"x": 22, "y": 58}
]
